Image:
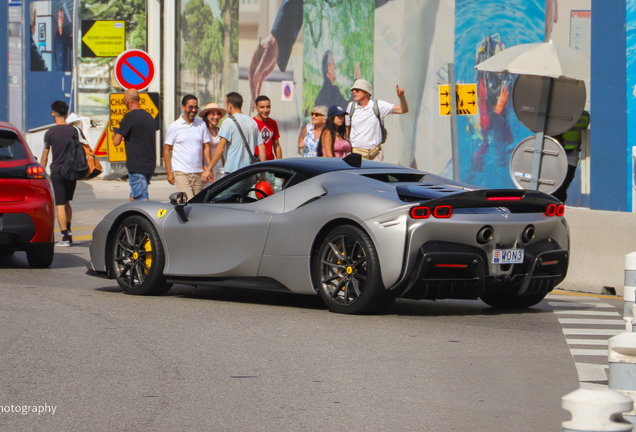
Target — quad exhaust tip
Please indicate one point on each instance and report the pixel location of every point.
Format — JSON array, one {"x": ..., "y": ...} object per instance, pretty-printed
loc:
[
  {"x": 528, "y": 234},
  {"x": 485, "y": 234}
]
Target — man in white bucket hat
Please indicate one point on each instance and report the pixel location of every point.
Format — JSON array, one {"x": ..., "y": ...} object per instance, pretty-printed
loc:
[{"x": 367, "y": 133}]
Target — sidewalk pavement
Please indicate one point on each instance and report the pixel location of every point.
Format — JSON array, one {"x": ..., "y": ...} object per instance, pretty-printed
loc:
[{"x": 599, "y": 239}]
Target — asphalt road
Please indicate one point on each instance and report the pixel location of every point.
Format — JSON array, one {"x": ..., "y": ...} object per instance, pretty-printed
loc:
[{"x": 232, "y": 360}]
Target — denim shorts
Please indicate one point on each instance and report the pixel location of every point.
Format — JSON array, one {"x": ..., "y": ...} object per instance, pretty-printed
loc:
[{"x": 139, "y": 186}]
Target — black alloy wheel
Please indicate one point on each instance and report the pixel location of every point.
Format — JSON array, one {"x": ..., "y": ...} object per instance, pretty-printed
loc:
[
  {"x": 347, "y": 273},
  {"x": 138, "y": 258}
]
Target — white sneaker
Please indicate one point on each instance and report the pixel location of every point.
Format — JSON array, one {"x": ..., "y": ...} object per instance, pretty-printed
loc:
[{"x": 63, "y": 243}]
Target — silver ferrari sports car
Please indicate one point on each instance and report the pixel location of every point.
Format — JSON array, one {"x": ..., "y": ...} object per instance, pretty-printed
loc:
[{"x": 358, "y": 233}]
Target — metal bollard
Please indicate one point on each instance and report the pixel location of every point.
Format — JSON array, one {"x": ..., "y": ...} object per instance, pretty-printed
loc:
[
  {"x": 622, "y": 367},
  {"x": 629, "y": 292},
  {"x": 596, "y": 410}
]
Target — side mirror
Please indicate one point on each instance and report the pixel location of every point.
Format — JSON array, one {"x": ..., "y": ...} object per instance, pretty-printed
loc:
[{"x": 179, "y": 200}]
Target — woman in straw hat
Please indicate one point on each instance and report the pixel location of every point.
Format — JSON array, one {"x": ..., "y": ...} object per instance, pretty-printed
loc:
[{"x": 211, "y": 115}]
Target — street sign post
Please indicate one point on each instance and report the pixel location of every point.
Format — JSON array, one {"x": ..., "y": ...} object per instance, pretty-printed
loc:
[
  {"x": 149, "y": 102},
  {"x": 134, "y": 69},
  {"x": 103, "y": 38}
]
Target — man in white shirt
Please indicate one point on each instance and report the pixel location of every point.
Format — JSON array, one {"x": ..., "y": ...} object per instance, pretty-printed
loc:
[
  {"x": 366, "y": 128},
  {"x": 232, "y": 146},
  {"x": 187, "y": 145}
]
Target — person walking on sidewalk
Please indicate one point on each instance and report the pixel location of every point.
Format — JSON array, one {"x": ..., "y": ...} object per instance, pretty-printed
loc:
[
  {"x": 187, "y": 145},
  {"x": 56, "y": 141},
  {"x": 366, "y": 118},
  {"x": 138, "y": 129},
  {"x": 237, "y": 132}
]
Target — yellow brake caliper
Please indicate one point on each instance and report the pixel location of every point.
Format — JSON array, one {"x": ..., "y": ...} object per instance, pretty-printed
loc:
[{"x": 148, "y": 248}]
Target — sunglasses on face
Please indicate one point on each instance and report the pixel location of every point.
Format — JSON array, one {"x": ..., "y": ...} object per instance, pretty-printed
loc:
[
  {"x": 215, "y": 113},
  {"x": 317, "y": 114},
  {"x": 192, "y": 108}
]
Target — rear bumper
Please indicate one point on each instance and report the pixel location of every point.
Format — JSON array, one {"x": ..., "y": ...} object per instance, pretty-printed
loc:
[{"x": 450, "y": 270}]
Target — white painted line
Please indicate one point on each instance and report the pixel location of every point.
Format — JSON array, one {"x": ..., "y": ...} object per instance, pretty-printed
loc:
[
  {"x": 587, "y": 342},
  {"x": 581, "y": 305},
  {"x": 586, "y": 312},
  {"x": 589, "y": 352},
  {"x": 592, "y": 321},
  {"x": 589, "y": 332},
  {"x": 592, "y": 386},
  {"x": 591, "y": 372},
  {"x": 556, "y": 296}
]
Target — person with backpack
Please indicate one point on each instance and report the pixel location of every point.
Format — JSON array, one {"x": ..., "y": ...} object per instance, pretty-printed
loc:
[
  {"x": 57, "y": 141},
  {"x": 366, "y": 119}
]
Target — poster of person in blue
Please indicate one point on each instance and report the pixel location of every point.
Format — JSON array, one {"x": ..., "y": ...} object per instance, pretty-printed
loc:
[
  {"x": 489, "y": 138},
  {"x": 62, "y": 42}
]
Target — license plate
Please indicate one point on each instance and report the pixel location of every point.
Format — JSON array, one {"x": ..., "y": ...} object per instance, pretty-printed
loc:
[{"x": 507, "y": 256}]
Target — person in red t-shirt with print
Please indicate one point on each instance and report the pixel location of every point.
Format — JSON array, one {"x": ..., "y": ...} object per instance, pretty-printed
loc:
[{"x": 268, "y": 129}]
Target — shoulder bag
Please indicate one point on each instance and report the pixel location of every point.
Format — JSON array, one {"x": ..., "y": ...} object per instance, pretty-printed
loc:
[{"x": 253, "y": 159}]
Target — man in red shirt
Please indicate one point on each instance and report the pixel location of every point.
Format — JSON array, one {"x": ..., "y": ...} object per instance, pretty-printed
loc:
[{"x": 268, "y": 129}]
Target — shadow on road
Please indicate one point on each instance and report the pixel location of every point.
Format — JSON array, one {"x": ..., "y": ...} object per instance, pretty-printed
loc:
[
  {"x": 60, "y": 260},
  {"x": 400, "y": 307}
]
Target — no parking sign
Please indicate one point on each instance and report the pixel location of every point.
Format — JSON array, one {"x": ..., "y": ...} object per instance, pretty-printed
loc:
[{"x": 134, "y": 69}]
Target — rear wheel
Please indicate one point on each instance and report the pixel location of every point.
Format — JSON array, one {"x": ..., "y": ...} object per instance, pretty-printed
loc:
[
  {"x": 518, "y": 302},
  {"x": 346, "y": 271},
  {"x": 40, "y": 255},
  {"x": 138, "y": 258}
]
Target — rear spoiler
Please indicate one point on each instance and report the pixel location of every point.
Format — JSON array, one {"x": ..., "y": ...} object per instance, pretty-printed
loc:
[{"x": 515, "y": 200}]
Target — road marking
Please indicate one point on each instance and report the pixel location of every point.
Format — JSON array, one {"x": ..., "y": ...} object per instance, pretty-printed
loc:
[
  {"x": 588, "y": 352},
  {"x": 580, "y": 305},
  {"x": 595, "y": 296},
  {"x": 587, "y": 341},
  {"x": 591, "y": 372},
  {"x": 586, "y": 312},
  {"x": 589, "y": 332},
  {"x": 591, "y": 321}
]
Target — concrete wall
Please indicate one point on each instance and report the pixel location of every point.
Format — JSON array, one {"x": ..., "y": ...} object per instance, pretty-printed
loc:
[{"x": 599, "y": 242}]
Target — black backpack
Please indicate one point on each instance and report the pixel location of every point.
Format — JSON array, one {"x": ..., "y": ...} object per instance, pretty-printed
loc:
[{"x": 74, "y": 165}]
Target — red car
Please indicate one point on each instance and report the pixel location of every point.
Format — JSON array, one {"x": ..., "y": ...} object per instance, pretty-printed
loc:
[{"x": 27, "y": 211}]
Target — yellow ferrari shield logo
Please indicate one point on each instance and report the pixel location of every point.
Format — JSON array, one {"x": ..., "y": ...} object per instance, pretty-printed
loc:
[{"x": 161, "y": 213}]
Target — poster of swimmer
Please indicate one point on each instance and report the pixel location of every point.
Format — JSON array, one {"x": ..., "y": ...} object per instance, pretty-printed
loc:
[
  {"x": 482, "y": 29},
  {"x": 338, "y": 46}
]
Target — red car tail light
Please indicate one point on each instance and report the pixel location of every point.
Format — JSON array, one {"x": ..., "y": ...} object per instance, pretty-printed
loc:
[
  {"x": 551, "y": 210},
  {"x": 420, "y": 212},
  {"x": 560, "y": 211},
  {"x": 443, "y": 211},
  {"x": 35, "y": 171}
]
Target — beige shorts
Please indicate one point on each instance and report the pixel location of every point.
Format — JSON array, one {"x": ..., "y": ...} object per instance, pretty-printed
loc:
[
  {"x": 374, "y": 154},
  {"x": 190, "y": 183}
]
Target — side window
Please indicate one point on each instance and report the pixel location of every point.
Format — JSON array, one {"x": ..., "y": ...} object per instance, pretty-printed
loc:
[
  {"x": 11, "y": 148},
  {"x": 251, "y": 187}
]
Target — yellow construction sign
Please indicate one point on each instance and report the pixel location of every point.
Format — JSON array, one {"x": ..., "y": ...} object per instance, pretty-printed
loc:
[
  {"x": 147, "y": 101},
  {"x": 103, "y": 38},
  {"x": 466, "y": 95}
]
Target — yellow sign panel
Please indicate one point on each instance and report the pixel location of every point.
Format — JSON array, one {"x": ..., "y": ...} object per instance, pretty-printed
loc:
[
  {"x": 117, "y": 112},
  {"x": 104, "y": 38},
  {"x": 466, "y": 95}
]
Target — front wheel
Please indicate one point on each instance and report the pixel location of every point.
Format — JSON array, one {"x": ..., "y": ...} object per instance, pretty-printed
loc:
[
  {"x": 518, "y": 302},
  {"x": 41, "y": 255},
  {"x": 346, "y": 272},
  {"x": 138, "y": 259}
]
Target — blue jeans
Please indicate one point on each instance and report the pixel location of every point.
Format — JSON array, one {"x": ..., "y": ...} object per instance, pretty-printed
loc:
[{"x": 139, "y": 186}]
